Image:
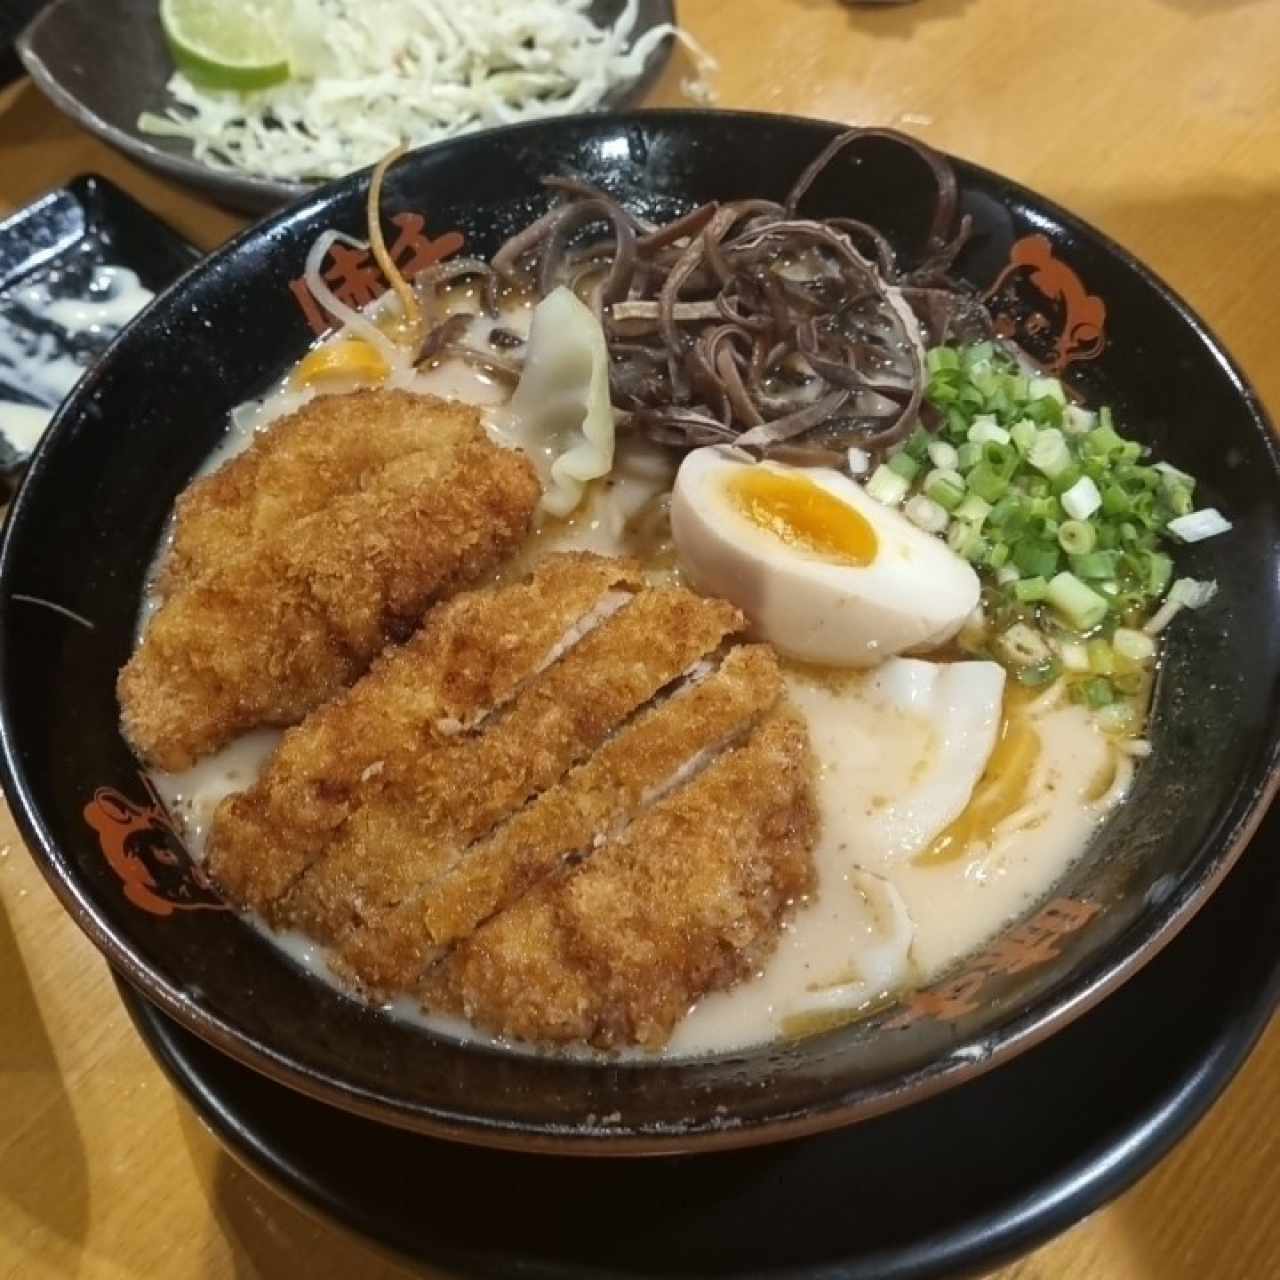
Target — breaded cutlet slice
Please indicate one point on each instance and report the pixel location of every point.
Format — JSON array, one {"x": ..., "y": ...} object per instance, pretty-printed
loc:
[
  {"x": 473, "y": 655},
  {"x": 299, "y": 560},
  {"x": 414, "y": 823},
  {"x": 688, "y": 899},
  {"x": 648, "y": 756}
]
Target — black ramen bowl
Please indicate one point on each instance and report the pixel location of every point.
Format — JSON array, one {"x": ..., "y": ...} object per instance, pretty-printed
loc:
[{"x": 86, "y": 523}]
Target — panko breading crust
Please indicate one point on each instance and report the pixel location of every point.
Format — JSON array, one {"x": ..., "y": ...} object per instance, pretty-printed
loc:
[
  {"x": 296, "y": 562},
  {"x": 472, "y": 656},
  {"x": 688, "y": 900},
  {"x": 575, "y": 740}
]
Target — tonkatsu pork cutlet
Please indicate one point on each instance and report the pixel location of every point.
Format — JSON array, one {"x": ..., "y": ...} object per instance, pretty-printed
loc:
[
  {"x": 522, "y": 734},
  {"x": 494, "y": 700},
  {"x": 686, "y": 900},
  {"x": 295, "y": 563},
  {"x": 420, "y": 705}
]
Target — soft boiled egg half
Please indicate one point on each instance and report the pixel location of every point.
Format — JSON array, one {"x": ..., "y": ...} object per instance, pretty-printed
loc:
[{"x": 824, "y": 572}]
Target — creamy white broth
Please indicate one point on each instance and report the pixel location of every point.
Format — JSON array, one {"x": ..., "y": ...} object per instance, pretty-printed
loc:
[{"x": 879, "y": 922}]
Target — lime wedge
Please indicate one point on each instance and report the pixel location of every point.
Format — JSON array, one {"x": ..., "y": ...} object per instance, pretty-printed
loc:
[{"x": 225, "y": 44}]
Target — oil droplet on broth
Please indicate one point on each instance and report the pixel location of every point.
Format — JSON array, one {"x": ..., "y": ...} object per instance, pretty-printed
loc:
[{"x": 803, "y": 515}]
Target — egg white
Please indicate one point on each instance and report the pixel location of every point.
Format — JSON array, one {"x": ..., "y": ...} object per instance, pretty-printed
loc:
[{"x": 914, "y": 594}]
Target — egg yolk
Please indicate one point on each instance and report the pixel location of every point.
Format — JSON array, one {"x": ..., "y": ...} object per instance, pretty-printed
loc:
[
  {"x": 352, "y": 358},
  {"x": 803, "y": 515},
  {"x": 1001, "y": 790}
]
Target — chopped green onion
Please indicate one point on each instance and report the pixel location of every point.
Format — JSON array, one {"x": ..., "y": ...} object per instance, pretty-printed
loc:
[
  {"x": 1077, "y": 420},
  {"x": 1136, "y": 646},
  {"x": 1171, "y": 475},
  {"x": 1023, "y": 434},
  {"x": 1045, "y": 673},
  {"x": 1077, "y": 537},
  {"x": 964, "y": 538},
  {"x": 1097, "y": 692},
  {"x": 1082, "y": 608},
  {"x": 1102, "y": 660},
  {"x": 859, "y": 461},
  {"x": 1049, "y": 453},
  {"x": 1178, "y": 499},
  {"x": 1036, "y": 559},
  {"x": 918, "y": 443},
  {"x": 904, "y": 465},
  {"x": 942, "y": 455},
  {"x": 1120, "y": 718},
  {"x": 1065, "y": 480},
  {"x": 1082, "y": 499},
  {"x": 1008, "y": 511},
  {"x": 926, "y": 514},
  {"x": 1095, "y": 565},
  {"x": 988, "y": 483},
  {"x": 1198, "y": 525},
  {"x": 1193, "y": 594},
  {"x": 1102, "y": 441},
  {"x": 1052, "y": 502},
  {"x": 1159, "y": 572},
  {"x": 1031, "y": 590},
  {"x": 887, "y": 486},
  {"x": 945, "y": 487},
  {"x": 1050, "y": 387},
  {"x": 985, "y": 430},
  {"x": 978, "y": 353},
  {"x": 973, "y": 508},
  {"x": 1045, "y": 412},
  {"x": 1074, "y": 655},
  {"x": 1186, "y": 593},
  {"x": 1130, "y": 682},
  {"x": 1115, "y": 502},
  {"x": 1024, "y": 646}
]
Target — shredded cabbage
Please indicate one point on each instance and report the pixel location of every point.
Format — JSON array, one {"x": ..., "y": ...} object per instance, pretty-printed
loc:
[{"x": 370, "y": 77}]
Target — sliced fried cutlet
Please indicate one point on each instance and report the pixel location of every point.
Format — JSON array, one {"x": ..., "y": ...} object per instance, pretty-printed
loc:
[
  {"x": 414, "y": 820},
  {"x": 300, "y": 559},
  {"x": 649, "y": 755},
  {"x": 467, "y": 662},
  {"x": 687, "y": 900}
]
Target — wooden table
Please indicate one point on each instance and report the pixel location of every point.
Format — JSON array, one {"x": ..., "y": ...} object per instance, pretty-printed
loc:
[{"x": 1159, "y": 121}]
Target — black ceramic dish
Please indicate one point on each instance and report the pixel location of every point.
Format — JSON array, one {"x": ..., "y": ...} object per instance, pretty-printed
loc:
[
  {"x": 62, "y": 51},
  {"x": 957, "y": 1185},
  {"x": 101, "y": 486},
  {"x": 60, "y": 242}
]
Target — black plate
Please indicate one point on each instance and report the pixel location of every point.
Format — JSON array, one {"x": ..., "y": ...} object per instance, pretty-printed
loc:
[
  {"x": 102, "y": 485},
  {"x": 62, "y": 51},
  {"x": 60, "y": 241},
  {"x": 958, "y": 1184}
]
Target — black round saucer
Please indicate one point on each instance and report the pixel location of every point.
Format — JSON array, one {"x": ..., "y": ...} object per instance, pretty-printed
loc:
[{"x": 951, "y": 1186}]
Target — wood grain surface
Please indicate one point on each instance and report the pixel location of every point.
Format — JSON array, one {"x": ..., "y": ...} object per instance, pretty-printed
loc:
[{"x": 1157, "y": 120}]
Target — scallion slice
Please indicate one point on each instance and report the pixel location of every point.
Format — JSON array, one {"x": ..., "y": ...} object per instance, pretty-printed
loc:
[
  {"x": 1082, "y": 608},
  {"x": 1082, "y": 499},
  {"x": 1077, "y": 537},
  {"x": 1049, "y": 453},
  {"x": 1208, "y": 522},
  {"x": 926, "y": 514},
  {"x": 887, "y": 486}
]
